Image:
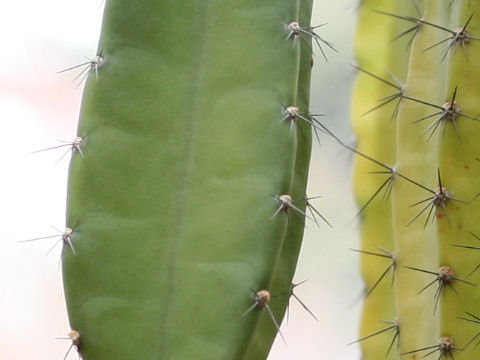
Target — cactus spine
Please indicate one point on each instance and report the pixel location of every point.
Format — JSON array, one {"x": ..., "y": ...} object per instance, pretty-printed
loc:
[
  {"x": 184, "y": 148},
  {"x": 430, "y": 149}
]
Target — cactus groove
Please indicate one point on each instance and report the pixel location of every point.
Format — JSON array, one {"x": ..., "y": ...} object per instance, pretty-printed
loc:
[
  {"x": 430, "y": 145},
  {"x": 184, "y": 151}
]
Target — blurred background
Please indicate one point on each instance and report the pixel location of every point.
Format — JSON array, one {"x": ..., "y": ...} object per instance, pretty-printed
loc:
[{"x": 39, "y": 109}]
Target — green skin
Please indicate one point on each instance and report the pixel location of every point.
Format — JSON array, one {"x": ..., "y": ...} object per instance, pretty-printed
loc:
[
  {"x": 171, "y": 200},
  {"x": 451, "y": 150}
]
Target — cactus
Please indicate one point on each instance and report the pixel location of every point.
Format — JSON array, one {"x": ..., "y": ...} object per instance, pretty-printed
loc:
[
  {"x": 418, "y": 248},
  {"x": 186, "y": 196}
]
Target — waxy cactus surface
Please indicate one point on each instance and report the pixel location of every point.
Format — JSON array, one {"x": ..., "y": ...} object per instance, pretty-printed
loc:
[
  {"x": 420, "y": 230},
  {"x": 187, "y": 147}
]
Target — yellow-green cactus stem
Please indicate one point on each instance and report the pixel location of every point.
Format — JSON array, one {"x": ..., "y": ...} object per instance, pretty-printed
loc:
[{"x": 435, "y": 183}]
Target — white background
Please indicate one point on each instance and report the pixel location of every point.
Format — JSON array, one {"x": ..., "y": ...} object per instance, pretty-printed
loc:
[{"x": 39, "y": 108}]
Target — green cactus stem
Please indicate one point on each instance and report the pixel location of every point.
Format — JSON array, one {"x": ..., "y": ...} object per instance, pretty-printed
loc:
[{"x": 185, "y": 150}]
